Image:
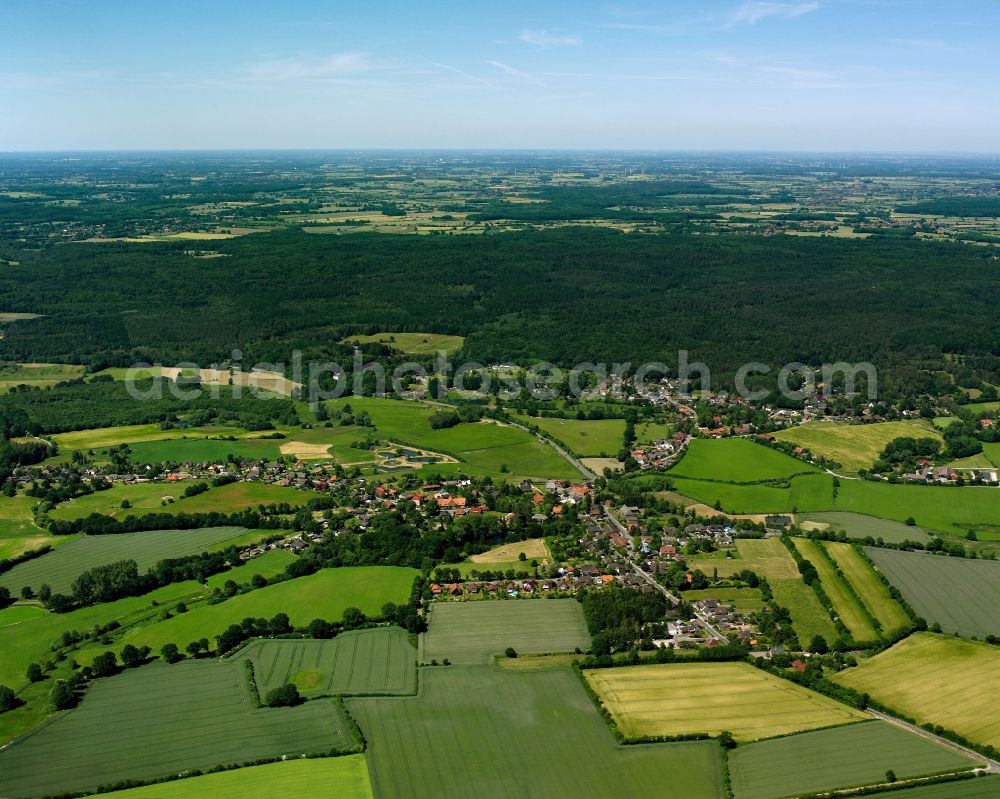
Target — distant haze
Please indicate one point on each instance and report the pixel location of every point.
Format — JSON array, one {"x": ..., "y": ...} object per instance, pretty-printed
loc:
[{"x": 840, "y": 75}]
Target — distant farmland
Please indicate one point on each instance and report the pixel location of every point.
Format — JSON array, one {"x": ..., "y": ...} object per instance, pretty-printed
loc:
[
  {"x": 160, "y": 720},
  {"x": 471, "y": 632},
  {"x": 959, "y": 594},
  {"x": 679, "y": 699},
  {"x": 63, "y": 565},
  {"x": 377, "y": 661},
  {"x": 852, "y": 613},
  {"x": 841, "y": 757}
]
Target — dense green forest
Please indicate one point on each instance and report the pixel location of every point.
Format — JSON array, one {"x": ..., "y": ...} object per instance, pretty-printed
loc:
[
  {"x": 565, "y": 295},
  {"x": 955, "y": 206}
]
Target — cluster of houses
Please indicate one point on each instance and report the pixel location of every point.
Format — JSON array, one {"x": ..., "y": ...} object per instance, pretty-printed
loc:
[{"x": 947, "y": 475}]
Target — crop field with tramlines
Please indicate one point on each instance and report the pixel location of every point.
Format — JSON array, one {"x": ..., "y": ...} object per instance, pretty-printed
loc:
[
  {"x": 873, "y": 592},
  {"x": 159, "y": 720},
  {"x": 837, "y": 758},
  {"x": 959, "y": 594},
  {"x": 472, "y": 632},
  {"x": 679, "y": 699},
  {"x": 482, "y": 731},
  {"x": 848, "y": 607},
  {"x": 936, "y": 680},
  {"x": 376, "y": 661},
  {"x": 60, "y": 567}
]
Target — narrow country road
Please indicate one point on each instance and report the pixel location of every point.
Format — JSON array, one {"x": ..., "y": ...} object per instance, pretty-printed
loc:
[{"x": 992, "y": 766}]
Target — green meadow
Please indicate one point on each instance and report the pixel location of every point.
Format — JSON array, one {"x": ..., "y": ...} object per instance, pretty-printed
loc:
[
  {"x": 18, "y": 531},
  {"x": 737, "y": 460},
  {"x": 325, "y": 594},
  {"x": 345, "y": 777},
  {"x": 486, "y": 447}
]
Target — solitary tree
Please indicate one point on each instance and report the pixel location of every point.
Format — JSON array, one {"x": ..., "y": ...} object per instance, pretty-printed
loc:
[
  {"x": 819, "y": 645},
  {"x": 510, "y": 652},
  {"x": 131, "y": 656},
  {"x": 285, "y": 696},
  {"x": 171, "y": 653},
  {"x": 7, "y": 698},
  {"x": 34, "y": 673},
  {"x": 104, "y": 665}
]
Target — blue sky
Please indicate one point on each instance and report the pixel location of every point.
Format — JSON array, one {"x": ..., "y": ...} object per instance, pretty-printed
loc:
[{"x": 897, "y": 75}]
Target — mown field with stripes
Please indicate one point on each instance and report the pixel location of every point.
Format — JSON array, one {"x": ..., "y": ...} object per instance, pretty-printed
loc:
[
  {"x": 936, "y": 679},
  {"x": 160, "y": 720},
  {"x": 680, "y": 699},
  {"x": 959, "y": 594},
  {"x": 837, "y": 758},
  {"x": 60, "y": 567},
  {"x": 376, "y": 661}
]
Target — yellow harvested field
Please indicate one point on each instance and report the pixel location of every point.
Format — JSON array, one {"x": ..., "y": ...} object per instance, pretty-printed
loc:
[
  {"x": 854, "y": 446},
  {"x": 533, "y": 549},
  {"x": 678, "y": 699}
]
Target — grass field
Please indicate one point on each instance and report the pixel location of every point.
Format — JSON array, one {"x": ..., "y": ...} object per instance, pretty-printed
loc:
[
  {"x": 807, "y": 492},
  {"x": 24, "y": 639},
  {"x": 481, "y": 731},
  {"x": 18, "y": 531},
  {"x": 858, "y": 526},
  {"x": 873, "y": 592},
  {"x": 960, "y": 595},
  {"x": 936, "y": 679},
  {"x": 37, "y": 374},
  {"x": 685, "y": 698},
  {"x": 744, "y": 600},
  {"x": 736, "y": 460},
  {"x": 851, "y": 612},
  {"x": 483, "y": 447},
  {"x": 270, "y": 564},
  {"x": 769, "y": 558},
  {"x": 595, "y": 437},
  {"x": 377, "y": 661},
  {"x": 854, "y": 446},
  {"x": 842, "y": 757},
  {"x": 413, "y": 343},
  {"x": 149, "y": 498},
  {"x": 63, "y": 565},
  {"x": 160, "y": 720},
  {"x": 325, "y": 594},
  {"x": 532, "y": 548},
  {"x": 946, "y": 508},
  {"x": 344, "y": 777},
  {"x": 471, "y": 632},
  {"x": 204, "y": 450},
  {"x": 130, "y": 434}
]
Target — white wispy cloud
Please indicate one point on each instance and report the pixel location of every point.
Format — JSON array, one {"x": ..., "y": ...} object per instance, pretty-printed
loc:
[
  {"x": 919, "y": 44},
  {"x": 467, "y": 75},
  {"x": 750, "y": 13},
  {"x": 541, "y": 38},
  {"x": 515, "y": 73},
  {"x": 337, "y": 65}
]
